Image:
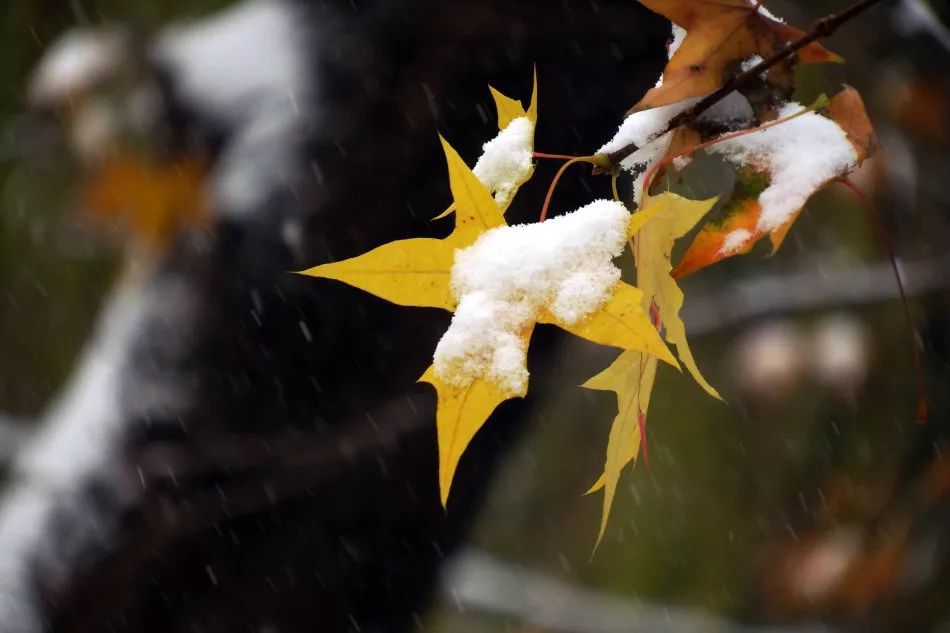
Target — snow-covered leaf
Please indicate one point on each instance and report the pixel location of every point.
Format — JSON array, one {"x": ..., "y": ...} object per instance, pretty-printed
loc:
[
  {"x": 500, "y": 281},
  {"x": 780, "y": 168},
  {"x": 507, "y": 161}
]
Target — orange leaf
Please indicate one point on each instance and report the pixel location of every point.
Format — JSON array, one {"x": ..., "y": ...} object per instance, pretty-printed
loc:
[
  {"x": 741, "y": 213},
  {"x": 847, "y": 110},
  {"x": 742, "y": 224}
]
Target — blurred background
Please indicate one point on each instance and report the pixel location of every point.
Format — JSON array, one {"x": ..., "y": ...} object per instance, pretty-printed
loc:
[{"x": 195, "y": 440}]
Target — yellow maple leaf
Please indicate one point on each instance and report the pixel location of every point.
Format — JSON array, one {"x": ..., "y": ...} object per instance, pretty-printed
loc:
[
  {"x": 667, "y": 217},
  {"x": 460, "y": 413},
  {"x": 631, "y": 377},
  {"x": 418, "y": 272},
  {"x": 510, "y": 110},
  {"x": 673, "y": 217}
]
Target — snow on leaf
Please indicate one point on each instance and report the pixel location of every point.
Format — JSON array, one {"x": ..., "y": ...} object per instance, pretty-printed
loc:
[
  {"x": 559, "y": 272},
  {"x": 563, "y": 266},
  {"x": 643, "y": 129},
  {"x": 501, "y": 280},
  {"x": 720, "y": 35},
  {"x": 507, "y": 162},
  {"x": 780, "y": 168}
]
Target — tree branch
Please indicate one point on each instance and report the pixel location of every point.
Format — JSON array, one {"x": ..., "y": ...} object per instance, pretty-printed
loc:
[
  {"x": 483, "y": 586},
  {"x": 813, "y": 288},
  {"x": 822, "y": 28}
]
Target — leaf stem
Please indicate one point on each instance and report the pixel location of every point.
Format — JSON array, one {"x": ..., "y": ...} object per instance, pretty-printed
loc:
[
  {"x": 885, "y": 238},
  {"x": 557, "y": 177},
  {"x": 552, "y": 156}
]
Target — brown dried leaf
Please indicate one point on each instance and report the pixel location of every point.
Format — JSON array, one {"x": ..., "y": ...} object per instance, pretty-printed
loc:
[{"x": 720, "y": 35}]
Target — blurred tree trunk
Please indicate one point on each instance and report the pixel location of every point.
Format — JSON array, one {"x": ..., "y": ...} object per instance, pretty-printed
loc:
[{"x": 257, "y": 455}]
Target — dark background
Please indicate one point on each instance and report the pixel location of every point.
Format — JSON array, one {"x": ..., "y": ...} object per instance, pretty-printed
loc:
[{"x": 813, "y": 496}]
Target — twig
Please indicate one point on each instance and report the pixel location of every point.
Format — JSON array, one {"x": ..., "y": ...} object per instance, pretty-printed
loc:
[{"x": 822, "y": 28}]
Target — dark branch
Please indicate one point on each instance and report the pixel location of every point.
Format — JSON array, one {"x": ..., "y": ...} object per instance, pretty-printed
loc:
[{"x": 822, "y": 28}]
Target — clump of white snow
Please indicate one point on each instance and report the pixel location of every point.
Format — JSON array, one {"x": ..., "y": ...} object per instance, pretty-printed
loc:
[
  {"x": 751, "y": 62},
  {"x": 679, "y": 34},
  {"x": 682, "y": 162},
  {"x": 800, "y": 155},
  {"x": 506, "y": 160},
  {"x": 641, "y": 129},
  {"x": 506, "y": 278},
  {"x": 734, "y": 241},
  {"x": 769, "y": 14}
]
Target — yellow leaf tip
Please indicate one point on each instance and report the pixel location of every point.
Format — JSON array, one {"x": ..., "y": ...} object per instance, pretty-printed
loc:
[
  {"x": 445, "y": 213},
  {"x": 309, "y": 272},
  {"x": 598, "y": 485},
  {"x": 669, "y": 359},
  {"x": 593, "y": 553},
  {"x": 428, "y": 376},
  {"x": 445, "y": 486}
]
